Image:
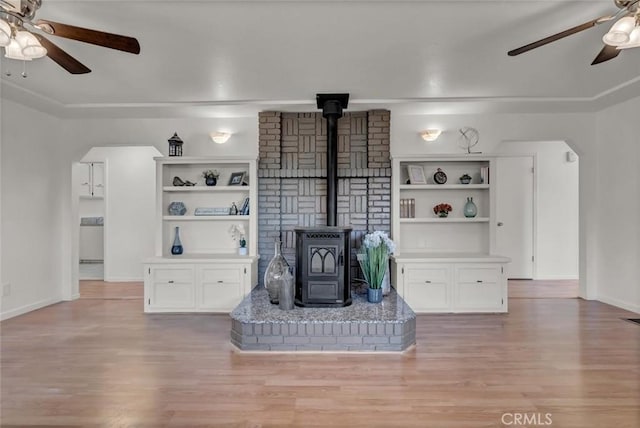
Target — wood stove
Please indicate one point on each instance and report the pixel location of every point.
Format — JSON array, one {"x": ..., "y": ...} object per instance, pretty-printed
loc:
[
  {"x": 322, "y": 279},
  {"x": 322, "y": 266}
]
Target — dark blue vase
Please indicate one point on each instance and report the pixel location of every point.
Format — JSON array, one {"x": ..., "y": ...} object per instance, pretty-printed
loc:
[
  {"x": 176, "y": 248},
  {"x": 374, "y": 295},
  {"x": 210, "y": 181}
]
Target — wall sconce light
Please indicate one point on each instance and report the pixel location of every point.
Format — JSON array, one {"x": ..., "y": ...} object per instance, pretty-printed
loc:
[
  {"x": 430, "y": 134},
  {"x": 220, "y": 137},
  {"x": 571, "y": 156}
]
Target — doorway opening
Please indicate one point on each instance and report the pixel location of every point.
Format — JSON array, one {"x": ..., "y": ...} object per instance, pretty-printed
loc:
[
  {"x": 114, "y": 212},
  {"x": 552, "y": 248}
]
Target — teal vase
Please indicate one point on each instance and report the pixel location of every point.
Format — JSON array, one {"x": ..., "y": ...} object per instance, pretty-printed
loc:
[{"x": 470, "y": 209}]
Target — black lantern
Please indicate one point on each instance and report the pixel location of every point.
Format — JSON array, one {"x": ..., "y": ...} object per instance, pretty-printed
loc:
[{"x": 175, "y": 145}]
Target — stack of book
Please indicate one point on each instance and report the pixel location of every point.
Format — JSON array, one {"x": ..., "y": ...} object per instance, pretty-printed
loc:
[{"x": 407, "y": 208}]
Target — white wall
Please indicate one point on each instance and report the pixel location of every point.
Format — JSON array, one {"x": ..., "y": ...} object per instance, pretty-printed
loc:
[
  {"x": 556, "y": 248},
  {"x": 618, "y": 205},
  {"x": 30, "y": 209}
]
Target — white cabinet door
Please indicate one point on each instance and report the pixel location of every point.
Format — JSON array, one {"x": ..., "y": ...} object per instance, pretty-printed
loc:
[
  {"x": 170, "y": 287},
  {"x": 428, "y": 289},
  {"x": 479, "y": 288},
  {"x": 219, "y": 286},
  {"x": 97, "y": 180},
  {"x": 84, "y": 177}
]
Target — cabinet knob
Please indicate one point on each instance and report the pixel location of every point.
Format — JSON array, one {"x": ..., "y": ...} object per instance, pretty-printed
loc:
[
  {"x": 479, "y": 280},
  {"x": 171, "y": 281},
  {"x": 500, "y": 223},
  {"x": 220, "y": 282},
  {"x": 428, "y": 282}
]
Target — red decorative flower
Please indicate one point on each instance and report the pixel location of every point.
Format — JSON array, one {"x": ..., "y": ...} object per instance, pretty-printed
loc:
[{"x": 442, "y": 208}]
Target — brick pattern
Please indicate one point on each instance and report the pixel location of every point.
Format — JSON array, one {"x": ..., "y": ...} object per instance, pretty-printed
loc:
[
  {"x": 324, "y": 335},
  {"x": 292, "y": 171}
]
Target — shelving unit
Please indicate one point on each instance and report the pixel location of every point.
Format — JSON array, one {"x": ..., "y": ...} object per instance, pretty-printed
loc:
[
  {"x": 436, "y": 258},
  {"x": 210, "y": 276}
]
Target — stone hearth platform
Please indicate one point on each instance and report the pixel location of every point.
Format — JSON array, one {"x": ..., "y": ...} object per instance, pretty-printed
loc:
[{"x": 389, "y": 326}]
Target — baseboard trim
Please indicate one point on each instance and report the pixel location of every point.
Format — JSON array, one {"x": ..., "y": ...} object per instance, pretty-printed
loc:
[
  {"x": 556, "y": 277},
  {"x": 619, "y": 303},
  {"x": 123, "y": 279},
  {"x": 27, "y": 308}
]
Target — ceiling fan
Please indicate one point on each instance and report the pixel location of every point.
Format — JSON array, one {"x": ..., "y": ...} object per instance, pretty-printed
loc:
[
  {"x": 624, "y": 34},
  {"x": 21, "y": 38}
]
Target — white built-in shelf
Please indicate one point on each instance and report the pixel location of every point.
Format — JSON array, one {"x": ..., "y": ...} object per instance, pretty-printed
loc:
[
  {"x": 445, "y": 220},
  {"x": 205, "y": 217},
  {"x": 206, "y": 188},
  {"x": 443, "y": 186}
]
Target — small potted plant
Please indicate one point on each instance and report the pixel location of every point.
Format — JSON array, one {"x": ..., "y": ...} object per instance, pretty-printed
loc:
[
  {"x": 465, "y": 179},
  {"x": 442, "y": 210},
  {"x": 237, "y": 234},
  {"x": 210, "y": 177}
]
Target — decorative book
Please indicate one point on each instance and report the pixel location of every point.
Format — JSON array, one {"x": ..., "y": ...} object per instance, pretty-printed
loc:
[{"x": 211, "y": 211}]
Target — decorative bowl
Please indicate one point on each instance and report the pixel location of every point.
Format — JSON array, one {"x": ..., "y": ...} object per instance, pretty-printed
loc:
[{"x": 177, "y": 208}]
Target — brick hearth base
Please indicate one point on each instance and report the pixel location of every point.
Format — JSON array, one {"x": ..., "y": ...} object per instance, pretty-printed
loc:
[{"x": 389, "y": 326}]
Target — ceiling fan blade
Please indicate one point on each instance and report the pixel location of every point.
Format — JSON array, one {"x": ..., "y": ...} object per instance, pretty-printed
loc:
[
  {"x": 558, "y": 36},
  {"x": 607, "y": 53},
  {"x": 99, "y": 38},
  {"x": 62, "y": 58}
]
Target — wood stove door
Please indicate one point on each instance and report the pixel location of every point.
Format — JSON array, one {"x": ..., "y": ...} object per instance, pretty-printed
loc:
[{"x": 323, "y": 265}]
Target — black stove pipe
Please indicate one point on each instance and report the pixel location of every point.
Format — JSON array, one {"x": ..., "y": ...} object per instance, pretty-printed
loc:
[{"x": 332, "y": 105}]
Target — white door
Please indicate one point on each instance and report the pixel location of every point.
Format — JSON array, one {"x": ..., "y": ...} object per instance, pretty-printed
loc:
[{"x": 514, "y": 214}]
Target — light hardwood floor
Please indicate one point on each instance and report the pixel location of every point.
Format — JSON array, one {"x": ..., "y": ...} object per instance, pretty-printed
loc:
[
  {"x": 92, "y": 289},
  {"x": 103, "y": 363}
]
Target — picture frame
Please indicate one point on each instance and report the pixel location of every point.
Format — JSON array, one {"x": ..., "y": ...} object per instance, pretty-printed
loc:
[
  {"x": 236, "y": 179},
  {"x": 416, "y": 174}
]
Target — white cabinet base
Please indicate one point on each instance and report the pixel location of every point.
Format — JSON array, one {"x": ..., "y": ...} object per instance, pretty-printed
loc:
[
  {"x": 212, "y": 284},
  {"x": 452, "y": 283}
]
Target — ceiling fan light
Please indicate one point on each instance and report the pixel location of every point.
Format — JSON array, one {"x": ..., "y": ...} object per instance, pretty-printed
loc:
[
  {"x": 31, "y": 47},
  {"x": 14, "y": 51},
  {"x": 620, "y": 31},
  {"x": 634, "y": 40},
  {"x": 5, "y": 33}
]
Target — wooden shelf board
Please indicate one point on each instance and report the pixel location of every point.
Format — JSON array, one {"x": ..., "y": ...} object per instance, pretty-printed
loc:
[
  {"x": 212, "y": 189},
  {"x": 205, "y": 217},
  {"x": 443, "y": 186},
  {"x": 445, "y": 220}
]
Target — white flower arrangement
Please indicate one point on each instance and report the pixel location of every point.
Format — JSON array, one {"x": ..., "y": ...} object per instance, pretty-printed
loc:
[
  {"x": 237, "y": 233},
  {"x": 374, "y": 257}
]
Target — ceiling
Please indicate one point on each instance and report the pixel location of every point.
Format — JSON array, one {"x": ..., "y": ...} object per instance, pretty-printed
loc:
[{"x": 235, "y": 57}]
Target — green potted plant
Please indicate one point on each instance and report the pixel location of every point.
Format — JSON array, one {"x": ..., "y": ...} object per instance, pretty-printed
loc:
[
  {"x": 210, "y": 177},
  {"x": 465, "y": 179},
  {"x": 374, "y": 262}
]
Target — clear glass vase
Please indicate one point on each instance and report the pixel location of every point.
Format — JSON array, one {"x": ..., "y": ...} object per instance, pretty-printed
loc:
[{"x": 274, "y": 273}]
